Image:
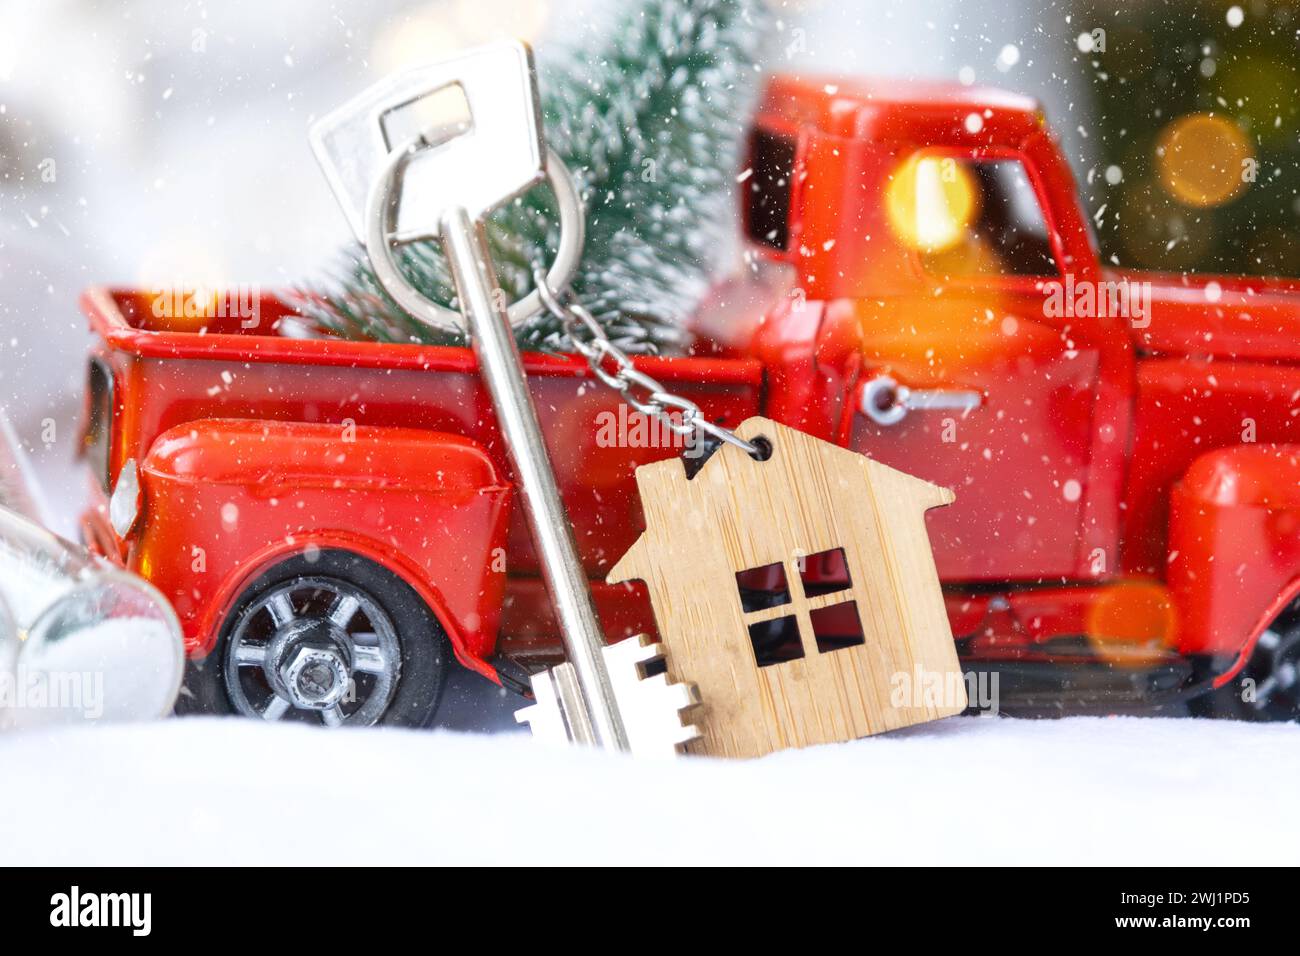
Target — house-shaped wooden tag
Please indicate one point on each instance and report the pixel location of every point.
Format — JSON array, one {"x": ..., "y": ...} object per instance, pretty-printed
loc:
[{"x": 798, "y": 593}]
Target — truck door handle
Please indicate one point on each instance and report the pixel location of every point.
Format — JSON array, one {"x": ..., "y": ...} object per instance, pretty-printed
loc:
[{"x": 886, "y": 402}]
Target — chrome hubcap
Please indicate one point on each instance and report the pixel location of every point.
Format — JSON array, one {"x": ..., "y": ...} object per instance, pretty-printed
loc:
[
  {"x": 319, "y": 650},
  {"x": 310, "y": 663}
]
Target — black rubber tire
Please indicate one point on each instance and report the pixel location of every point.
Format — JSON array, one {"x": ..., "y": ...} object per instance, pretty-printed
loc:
[
  {"x": 1227, "y": 702},
  {"x": 426, "y": 652}
]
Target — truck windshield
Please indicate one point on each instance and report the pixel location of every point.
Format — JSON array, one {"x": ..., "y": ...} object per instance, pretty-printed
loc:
[{"x": 767, "y": 205}]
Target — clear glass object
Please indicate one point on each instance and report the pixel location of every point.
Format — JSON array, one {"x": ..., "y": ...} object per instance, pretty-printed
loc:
[{"x": 79, "y": 638}]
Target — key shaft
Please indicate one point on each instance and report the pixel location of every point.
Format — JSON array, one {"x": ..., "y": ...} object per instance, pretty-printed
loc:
[{"x": 502, "y": 371}]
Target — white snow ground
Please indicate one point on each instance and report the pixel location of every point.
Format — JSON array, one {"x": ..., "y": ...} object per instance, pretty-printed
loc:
[{"x": 966, "y": 791}]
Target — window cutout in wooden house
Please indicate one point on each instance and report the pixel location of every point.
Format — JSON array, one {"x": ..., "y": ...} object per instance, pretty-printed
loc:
[
  {"x": 836, "y": 626},
  {"x": 775, "y": 641},
  {"x": 825, "y": 572},
  {"x": 763, "y": 587}
]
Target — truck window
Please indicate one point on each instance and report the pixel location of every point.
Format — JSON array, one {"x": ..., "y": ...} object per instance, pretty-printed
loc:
[
  {"x": 968, "y": 217},
  {"x": 767, "y": 206}
]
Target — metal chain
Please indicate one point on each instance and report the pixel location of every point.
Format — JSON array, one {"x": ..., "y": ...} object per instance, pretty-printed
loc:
[{"x": 638, "y": 389}]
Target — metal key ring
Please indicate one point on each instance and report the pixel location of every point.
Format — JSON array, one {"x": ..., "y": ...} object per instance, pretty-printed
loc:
[{"x": 381, "y": 213}]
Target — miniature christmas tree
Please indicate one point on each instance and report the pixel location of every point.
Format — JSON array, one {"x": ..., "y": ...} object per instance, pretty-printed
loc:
[{"x": 648, "y": 115}]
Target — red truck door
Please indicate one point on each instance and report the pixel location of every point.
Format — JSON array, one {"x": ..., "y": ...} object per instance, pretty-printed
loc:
[{"x": 995, "y": 386}]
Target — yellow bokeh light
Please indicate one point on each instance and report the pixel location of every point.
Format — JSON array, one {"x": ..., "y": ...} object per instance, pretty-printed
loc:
[
  {"x": 1204, "y": 160},
  {"x": 931, "y": 202},
  {"x": 185, "y": 279}
]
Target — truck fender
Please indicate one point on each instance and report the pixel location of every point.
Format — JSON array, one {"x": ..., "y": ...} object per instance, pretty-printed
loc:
[
  {"x": 429, "y": 506},
  {"x": 1234, "y": 548},
  {"x": 1288, "y": 594}
]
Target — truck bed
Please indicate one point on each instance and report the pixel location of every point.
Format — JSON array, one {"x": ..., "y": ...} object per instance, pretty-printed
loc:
[{"x": 179, "y": 370}]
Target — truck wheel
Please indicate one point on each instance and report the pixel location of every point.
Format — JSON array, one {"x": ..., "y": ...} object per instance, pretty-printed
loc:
[
  {"x": 1274, "y": 673},
  {"x": 328, "y": 638}
]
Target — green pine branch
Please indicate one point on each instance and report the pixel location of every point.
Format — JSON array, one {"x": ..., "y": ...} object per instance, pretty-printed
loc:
[{"x": 649, "y": 115}]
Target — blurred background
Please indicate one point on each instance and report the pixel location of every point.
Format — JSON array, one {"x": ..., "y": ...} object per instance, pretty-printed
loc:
[{"x": 160, "y": 142}]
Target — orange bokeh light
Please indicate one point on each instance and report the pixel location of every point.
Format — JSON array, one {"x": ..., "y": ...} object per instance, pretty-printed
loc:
[
  {"x": 1132, "y": 622},
  {"x": 1204, "y": 160}
]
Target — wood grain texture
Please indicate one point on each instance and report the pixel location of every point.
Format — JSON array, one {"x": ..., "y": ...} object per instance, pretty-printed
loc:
[{"x": 809, "y": 496}]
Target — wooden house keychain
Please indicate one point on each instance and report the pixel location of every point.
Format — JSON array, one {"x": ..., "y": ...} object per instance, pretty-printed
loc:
[
  {"x": 854, "y": 600},
  {"x": 768, "y": 496}
]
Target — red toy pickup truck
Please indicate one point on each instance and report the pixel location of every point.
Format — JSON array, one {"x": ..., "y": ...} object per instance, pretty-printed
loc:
[{"x": 328, "y": 514}]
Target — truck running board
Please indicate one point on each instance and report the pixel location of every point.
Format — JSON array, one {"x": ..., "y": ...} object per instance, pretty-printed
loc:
[{"x": 1041, "y": 688}]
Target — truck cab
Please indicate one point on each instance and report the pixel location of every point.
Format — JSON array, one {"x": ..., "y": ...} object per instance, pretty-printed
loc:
[{"x": 947, "y": 314}]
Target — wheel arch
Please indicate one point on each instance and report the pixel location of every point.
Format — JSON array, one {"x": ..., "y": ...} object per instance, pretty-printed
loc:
[
  {"x": 1289, "y": 594},
  {"x": 1234, "y": 548},
  {"x": 430, "y": 507}
]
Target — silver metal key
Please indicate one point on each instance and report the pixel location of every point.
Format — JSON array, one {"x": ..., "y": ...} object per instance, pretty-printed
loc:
[{"x": 397, "y": 188}]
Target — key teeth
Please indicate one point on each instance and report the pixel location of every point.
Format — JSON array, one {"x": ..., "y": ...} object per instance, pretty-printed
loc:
[
  {"x": 651, "y": 707},
  {"x": 558, "y": 715},
  {"x": 639, "y": 650},
  {"x": 528, "y": 715},
  {"x": 646, "y": 649},
  {"x": 687, "y": 694}
]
